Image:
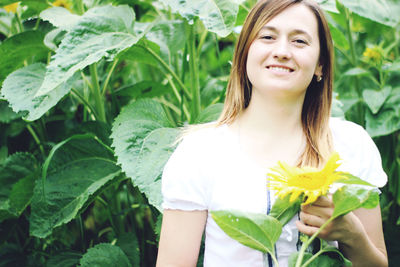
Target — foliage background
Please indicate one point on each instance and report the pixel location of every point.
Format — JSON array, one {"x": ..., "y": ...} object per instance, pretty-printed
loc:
[{"x": 92, "y": 93}]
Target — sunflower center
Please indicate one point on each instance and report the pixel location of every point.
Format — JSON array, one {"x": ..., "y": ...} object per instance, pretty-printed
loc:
[{"x": 308, "y": 181}]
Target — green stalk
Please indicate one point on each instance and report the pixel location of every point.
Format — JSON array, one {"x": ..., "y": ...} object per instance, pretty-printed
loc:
[
  {"x": 202, "y": 40},
  {"x": 309, "y": 241},
  {"x": 99, "y": 104},
  {"x": 35, "y": 137},
  {"x": 167, "y": 67},
  {"x": 103, "y": 91},
  {"x": 80, "y": 225},
  {"x": 80, "y": 7},
  {"x": 354, "y": 62},
  {"x": 193, "y": 69},
  {"x": 88, "y": 106}
]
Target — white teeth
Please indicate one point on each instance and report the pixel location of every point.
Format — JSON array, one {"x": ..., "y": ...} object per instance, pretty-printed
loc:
[{"x": 279, "y": 69}]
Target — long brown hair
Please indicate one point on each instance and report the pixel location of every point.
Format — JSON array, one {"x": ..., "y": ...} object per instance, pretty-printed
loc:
[{"x": 317, "y": 103}]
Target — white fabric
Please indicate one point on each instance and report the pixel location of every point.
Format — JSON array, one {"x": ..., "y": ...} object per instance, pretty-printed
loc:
[{"x": 207, "y": 171}]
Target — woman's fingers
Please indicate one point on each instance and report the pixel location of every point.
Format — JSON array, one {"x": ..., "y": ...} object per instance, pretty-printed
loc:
[{"x": 311, "y": 220}]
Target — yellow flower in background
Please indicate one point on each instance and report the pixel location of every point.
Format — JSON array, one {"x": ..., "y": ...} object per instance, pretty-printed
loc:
[
  {"x": 374, "y": 55},
  {"x": 311, "y": 182},
  {"x": 62, "y": 3},
  {"x": 12, "y": 7}
]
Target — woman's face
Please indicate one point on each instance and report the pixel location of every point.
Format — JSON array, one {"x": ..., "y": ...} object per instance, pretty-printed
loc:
[{"x": 285, "y": 54}]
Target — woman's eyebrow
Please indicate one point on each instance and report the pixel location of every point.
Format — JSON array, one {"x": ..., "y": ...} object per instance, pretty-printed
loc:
[{"x": 293, "y": 32}]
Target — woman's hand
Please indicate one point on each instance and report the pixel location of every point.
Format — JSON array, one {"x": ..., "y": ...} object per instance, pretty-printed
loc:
[
  {"x": 359, "y": 232},
  {"x": 342, "y": 229}
]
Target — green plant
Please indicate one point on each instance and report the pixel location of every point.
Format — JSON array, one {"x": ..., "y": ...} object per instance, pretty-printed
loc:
[{"x": 91, "y": 98}]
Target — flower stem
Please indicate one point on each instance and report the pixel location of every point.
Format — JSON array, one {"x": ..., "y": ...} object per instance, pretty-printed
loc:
[{"x": 308, "y": 243}]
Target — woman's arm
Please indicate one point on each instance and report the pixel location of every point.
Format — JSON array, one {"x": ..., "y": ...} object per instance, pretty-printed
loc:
[
  {"x": 180, "y": 238},
  {"x": 359, "y": 233}
]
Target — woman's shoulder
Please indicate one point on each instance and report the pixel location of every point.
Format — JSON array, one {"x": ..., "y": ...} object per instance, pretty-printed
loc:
[
  {"x": 344, "y": 131},
  {"x": 203, "y": 135}
]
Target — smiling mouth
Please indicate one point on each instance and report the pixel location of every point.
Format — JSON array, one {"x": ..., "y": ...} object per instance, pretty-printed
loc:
[{"x": 279, "y": 68}]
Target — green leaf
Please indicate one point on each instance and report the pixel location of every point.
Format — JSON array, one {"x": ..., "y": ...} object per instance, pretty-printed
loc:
[
  {"x": 210, "y": 113},
  {"x": 387, "y": 120},
  {"x": 356, "y": 72},
  {"x": 6, "y": 113},
  {"x": 104, "y": 255},
  {"x": 349, "y": 198},
  {"x": 102, "y": 32},
  {"x": 64, "y": 259},
  {"x": 144, "y": 89},
  {"x": 16, "y": 49},
  {"x": 375, "y": 99},
  {"x": 17, "y": 177},
  {"x": 255, "y": 230},
  {"x": 78, "y": 168},
  {"x": 351, "y": 179},
  {"x": 339, "y": 39},
  {"x": 21, "y": 86},
  {"x": 381, "y": 11},
  {"x": 129, "y": 244},
  {"x": 218, "y": 16},
  {"x": 320, "y": 261},
  {"x": 284, "y": 210},
  {"x": 143, "y": 140},
  {"x": 334, "y": 252},
  {"x": 139, "y": 53},
  {"x": 169, "y": 36},
  {"x": 60, "y": 17}
]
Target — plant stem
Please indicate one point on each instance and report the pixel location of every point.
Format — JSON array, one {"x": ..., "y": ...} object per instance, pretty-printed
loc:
[
  {"x": 103, "y": 91},
  {"x": 35, "y": 137},
  {"x": 354, "y": 62},
  {"x": 167, "y": 67},
  {"x": 88, "y": 106},
  {"x": 193, "y": 69},
  {"x": 80, "y": 7},
  {"x": 309, "y": 241},
  {"x": 313, "y": 258},
  {"x": 99, "y": 104},
  {"x": 80, "y": 225}
]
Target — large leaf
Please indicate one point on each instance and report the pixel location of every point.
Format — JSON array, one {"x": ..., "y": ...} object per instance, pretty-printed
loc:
[
  {"x": 387, "y": 120},
  {"x": 16, "y": 49},
  {"x": 284, "y": 210},
  {"x": 352, "y": 197},
  {"x": 101, "y": 32},
  {"x": 6, "y": 113},
  {"x": 255, "y": 230},
  {"x": 17, "y": 178},
  {"x": 21, "y": 86},
  {"x": 382, "y": 11},
  {"x": 143, "y": 141},
  {"x": 78, "y": 168},
  {"x": 169, "y": 36},
  {"x": 104, "y": 255},
  {"x": 129, "y": 244},
  {"x": 218, "y": 16},
  {"x": 60, "y": 17},
  {"x": 375, "y": 99},
  {"x": 210, "y": 113}
]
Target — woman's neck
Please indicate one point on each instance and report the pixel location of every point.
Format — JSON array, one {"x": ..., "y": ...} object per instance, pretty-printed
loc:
[{"x": 272, "y": 116}]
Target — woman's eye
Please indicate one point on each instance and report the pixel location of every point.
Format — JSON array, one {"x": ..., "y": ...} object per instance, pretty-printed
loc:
[
  {"x": 267, "y": 37},
  {"x": 300, "y": 41}
]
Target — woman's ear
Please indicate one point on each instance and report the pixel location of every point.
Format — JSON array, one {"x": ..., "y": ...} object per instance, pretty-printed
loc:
[{"x": 318, "y": 71}]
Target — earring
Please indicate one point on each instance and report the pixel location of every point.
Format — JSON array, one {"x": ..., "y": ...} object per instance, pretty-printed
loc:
[{"x": 319, "y": 78}]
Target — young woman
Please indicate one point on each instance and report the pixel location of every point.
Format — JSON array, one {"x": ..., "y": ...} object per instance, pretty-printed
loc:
[{"x": 277, "y": 108}]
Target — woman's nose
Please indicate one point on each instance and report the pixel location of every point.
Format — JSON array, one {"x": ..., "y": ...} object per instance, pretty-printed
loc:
[{"x": 282, "y": 50}]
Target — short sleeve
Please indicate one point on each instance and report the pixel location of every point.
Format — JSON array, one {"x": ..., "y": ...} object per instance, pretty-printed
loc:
[
  {"x": 358, "y": 151},
  {"x": 183, "y": 182},
  {"x": 370, "y": 158}
]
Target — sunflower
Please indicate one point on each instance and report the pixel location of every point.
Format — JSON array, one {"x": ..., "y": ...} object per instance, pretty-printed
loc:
[
  {"x": 311, "y": 182},
  {"x": 12, "y": 7}
]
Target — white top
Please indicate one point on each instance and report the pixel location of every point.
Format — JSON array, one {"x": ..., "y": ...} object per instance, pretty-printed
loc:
[{"x": 208, "y": 171}]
